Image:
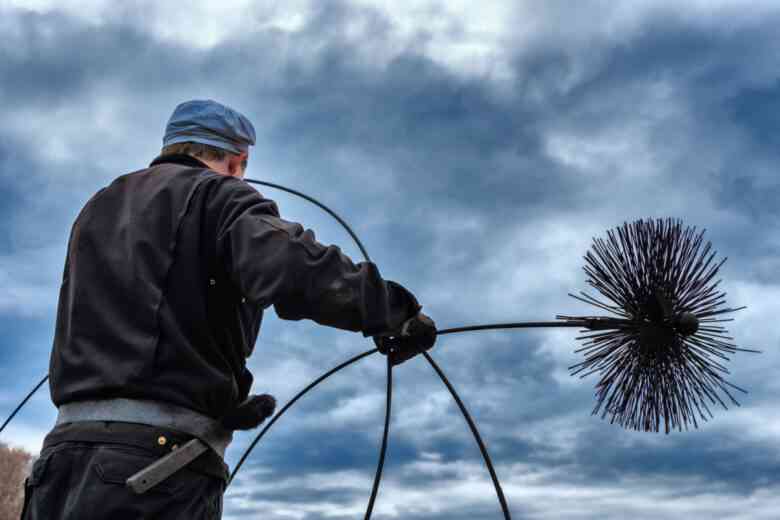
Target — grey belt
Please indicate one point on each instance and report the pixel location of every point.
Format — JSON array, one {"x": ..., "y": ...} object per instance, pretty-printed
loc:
[
  {"x": 208, "y": 432},
  {"x": 152, "y": 413}
]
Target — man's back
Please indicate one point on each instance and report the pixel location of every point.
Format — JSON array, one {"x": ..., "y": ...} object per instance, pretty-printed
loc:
[{"x": 146, "y": 308}]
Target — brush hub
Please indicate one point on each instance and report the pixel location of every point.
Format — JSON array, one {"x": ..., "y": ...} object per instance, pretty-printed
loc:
[
  {"x": 657, "y": 307},
  {"x": 657, "y": 343},
  {"x": 686, "y": 323}
]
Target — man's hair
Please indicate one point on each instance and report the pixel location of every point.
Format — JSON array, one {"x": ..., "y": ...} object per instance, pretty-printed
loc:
[{"x": 205, "y": 151}]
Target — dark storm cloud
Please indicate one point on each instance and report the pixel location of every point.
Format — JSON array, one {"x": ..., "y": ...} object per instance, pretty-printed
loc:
[
  {"x": 413, "y": 114},
  {"x": 24, "y": 351},
  {"x": 447, "y": 137},
  {"x": 37, "y": 197},
  {"x": 440, "y": 133},
  {"x": 51, "y": 59},
  {"x": 756, "y": 110},
  {"x": 14, "y": 165},
  {"x": 749, "y": 195},
  {"x": 24, "y": 206},
  {"x": 726, "y": 461},
  {"x": 720, "y": 74}
]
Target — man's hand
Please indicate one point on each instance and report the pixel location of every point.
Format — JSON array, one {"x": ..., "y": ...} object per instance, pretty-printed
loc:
[
  {"x": 250, "y": 413},
  {"x": 417, "y": 334}
]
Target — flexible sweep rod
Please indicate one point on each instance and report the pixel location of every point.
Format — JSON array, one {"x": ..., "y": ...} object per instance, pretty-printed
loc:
[
  {"x": 459, "y": 402},
  {"x": 358, "y": 357},
  {"x": 24, "y": 401}
]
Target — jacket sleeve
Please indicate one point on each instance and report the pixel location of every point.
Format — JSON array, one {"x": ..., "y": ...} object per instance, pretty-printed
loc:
[{"x": 276, "y": 262}]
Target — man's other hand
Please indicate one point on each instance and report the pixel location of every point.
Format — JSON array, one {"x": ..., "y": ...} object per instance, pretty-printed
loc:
[{"x": 250, "y": 413}]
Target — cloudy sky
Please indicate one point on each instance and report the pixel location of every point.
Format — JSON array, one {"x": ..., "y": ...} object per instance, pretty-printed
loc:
[{"x": 476, "y": 151}]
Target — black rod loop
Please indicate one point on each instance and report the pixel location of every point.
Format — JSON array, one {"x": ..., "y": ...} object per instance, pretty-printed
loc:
[
  {"x": 24, "y": 401},
  {"x": 291, "y": 402},
  {"x": 475, "y": 432},
  {"x": 319, "y": 204},
  {"x": 383, "y": 451}
]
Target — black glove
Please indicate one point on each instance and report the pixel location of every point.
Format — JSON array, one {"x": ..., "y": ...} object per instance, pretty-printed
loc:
[
  {"x": 417, "y": 334},
  {"x": 250, "y": 413}
]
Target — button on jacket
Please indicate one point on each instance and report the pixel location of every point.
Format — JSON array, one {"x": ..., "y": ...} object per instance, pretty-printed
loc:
[{"x": 167, "y": 275}]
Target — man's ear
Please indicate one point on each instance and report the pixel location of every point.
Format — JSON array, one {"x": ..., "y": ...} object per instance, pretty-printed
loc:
[{"x": 234, "y": 165}]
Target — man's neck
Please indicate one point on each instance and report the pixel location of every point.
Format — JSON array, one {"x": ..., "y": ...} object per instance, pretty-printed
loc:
[{"x": 180, "y": 158}]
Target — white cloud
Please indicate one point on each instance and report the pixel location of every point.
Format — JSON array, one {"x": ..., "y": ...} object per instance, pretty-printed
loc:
[
  {"x": 464, "y": 36},
  {"x": 458, "y": 34},
  {"x": 284, "y": 376},
  {"x": 199, "y": 23},
  {"x": 358, "y": 410}
]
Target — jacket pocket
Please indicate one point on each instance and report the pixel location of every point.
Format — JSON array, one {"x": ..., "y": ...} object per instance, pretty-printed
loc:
[
  {"x": 115, "y": 466},
  {"x": 36, "y": 479},
  {"x": 27, "y": 497},
  {"x": 39, "y": 470}
]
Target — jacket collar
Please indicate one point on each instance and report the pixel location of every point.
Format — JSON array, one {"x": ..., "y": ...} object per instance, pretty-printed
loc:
[{"x": 179, "y": 158}]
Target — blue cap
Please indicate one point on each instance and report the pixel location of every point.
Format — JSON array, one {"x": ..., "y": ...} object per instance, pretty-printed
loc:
[{"x": 212, "y": 123}]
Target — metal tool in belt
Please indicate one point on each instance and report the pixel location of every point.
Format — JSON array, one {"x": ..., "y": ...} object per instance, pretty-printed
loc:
[
  {"x": 654, "y": 351},
  {"x": 162, "y": 468}
]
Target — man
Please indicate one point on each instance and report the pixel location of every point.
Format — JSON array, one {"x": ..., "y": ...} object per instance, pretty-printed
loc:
[{"x": 167, "y": 275}]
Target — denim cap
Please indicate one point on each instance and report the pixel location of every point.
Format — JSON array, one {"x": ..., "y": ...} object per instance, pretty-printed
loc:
[{"x": 212, "y": 123}]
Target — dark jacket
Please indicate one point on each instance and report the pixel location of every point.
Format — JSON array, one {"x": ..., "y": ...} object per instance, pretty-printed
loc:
[{"x": 166, "y": 278}]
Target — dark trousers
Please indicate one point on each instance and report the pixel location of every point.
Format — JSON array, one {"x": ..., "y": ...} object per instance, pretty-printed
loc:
[{"x": 86, "y": 480}]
